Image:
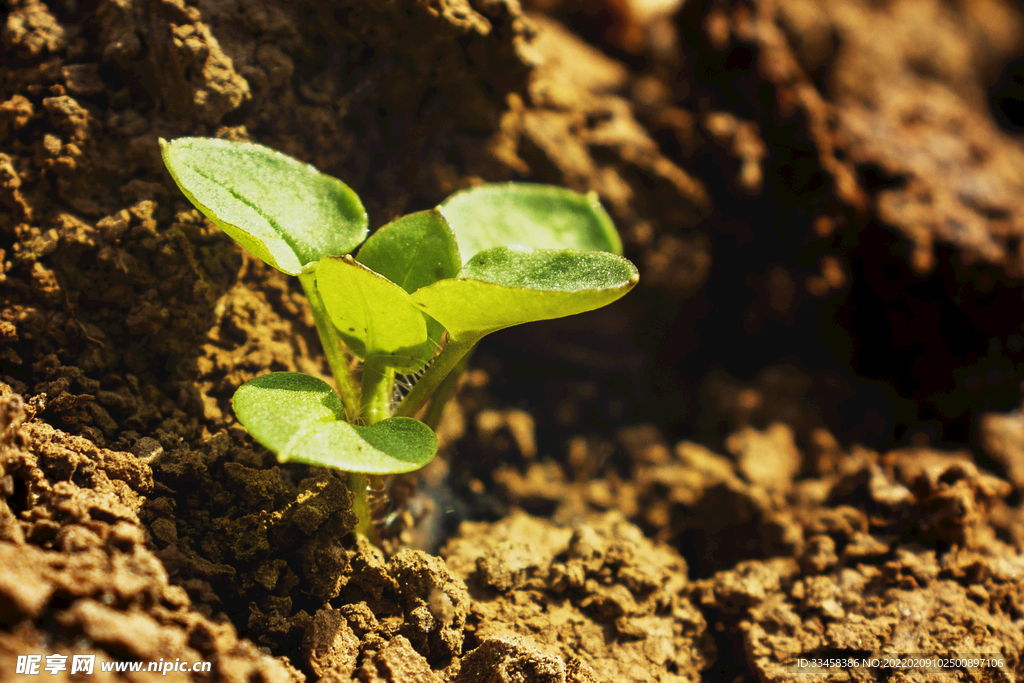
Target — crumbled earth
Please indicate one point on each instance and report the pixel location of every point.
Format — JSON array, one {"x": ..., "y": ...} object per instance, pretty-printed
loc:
[
  {"x": 913, "y": 552},
  {"x": 823, "y": 199},
  {"x": 74, "y": 551},
  {"x": 905, "y": 231},
  {"x": 600, "y": 602}
]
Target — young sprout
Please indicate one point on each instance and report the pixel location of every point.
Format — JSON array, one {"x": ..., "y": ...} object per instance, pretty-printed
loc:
[{"x": 416, "y": 298}]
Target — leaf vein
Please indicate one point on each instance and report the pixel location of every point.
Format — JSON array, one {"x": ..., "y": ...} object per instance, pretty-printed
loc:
[{"x": 281, "y": 232}]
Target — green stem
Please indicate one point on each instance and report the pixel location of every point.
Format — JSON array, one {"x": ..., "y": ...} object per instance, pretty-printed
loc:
[
  {"x": 358, "y": 484},
  {"x": 449, "y": 385},
  {"x": 442, "y": 366},
  {"x": 332, "y": 346},
  {"x": 377, "y": 384}
]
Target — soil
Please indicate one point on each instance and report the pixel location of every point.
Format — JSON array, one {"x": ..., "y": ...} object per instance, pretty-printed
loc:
[{"x": 800, "y": 437}]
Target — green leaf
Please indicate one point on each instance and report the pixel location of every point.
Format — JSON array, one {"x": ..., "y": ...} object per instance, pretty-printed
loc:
[
  {"x": 502, "y": 287},
  {"x": 285, "y": 212},
  {"x": 392, "y": 446},
  {"x": 299, "y": 418},
  {"x": 415, "y": 251},
  {"x": 528, "y": 215},
  {"x": 550, "y": 270},
  {"x": 375, "y": 317},
  {"x": 275, "y": 407}
]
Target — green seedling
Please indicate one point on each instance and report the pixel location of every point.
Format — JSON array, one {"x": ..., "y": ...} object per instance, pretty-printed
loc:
[{"x": 416, "y": 298}]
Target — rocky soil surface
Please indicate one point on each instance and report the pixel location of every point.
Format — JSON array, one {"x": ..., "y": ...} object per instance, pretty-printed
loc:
[{"x": 799, "y": 438}]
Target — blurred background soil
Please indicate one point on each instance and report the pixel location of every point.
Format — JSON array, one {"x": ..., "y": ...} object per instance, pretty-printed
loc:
[{"x": 799, "y": 437}]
